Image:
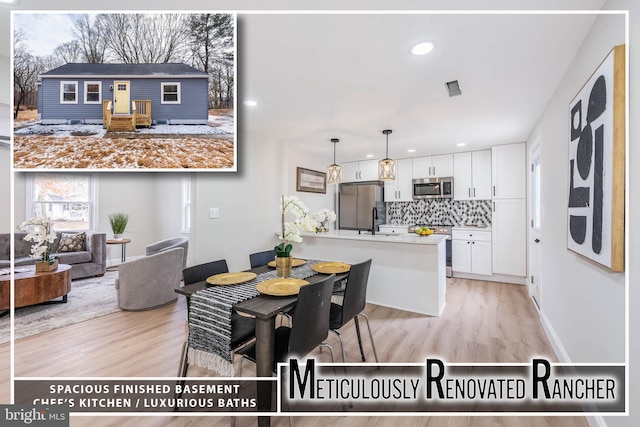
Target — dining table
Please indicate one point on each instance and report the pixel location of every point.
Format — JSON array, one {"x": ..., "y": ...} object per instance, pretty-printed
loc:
[{"x": 265, "y": 309}]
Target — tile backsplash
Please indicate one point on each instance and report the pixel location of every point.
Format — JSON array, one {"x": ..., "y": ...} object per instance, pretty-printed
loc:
[{"x": 435, "y": 212}]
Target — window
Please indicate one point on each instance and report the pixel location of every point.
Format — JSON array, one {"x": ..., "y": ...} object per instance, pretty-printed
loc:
[
  {"x": 186, "y": 204},
  {"x": 66, "y": 199},
  {"x": 171, "y": 93},
  {"x": 68, "y": 92},
  {"x": 92, "y": 92}
]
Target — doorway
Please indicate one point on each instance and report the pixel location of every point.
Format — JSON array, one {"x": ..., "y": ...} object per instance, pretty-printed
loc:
[
  {"x": 121, "y": 98},
  {"x": 535, "y": 223}
]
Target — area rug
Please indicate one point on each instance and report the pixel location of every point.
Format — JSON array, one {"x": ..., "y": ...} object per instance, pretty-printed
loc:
[{"x": 88, "y": 299}]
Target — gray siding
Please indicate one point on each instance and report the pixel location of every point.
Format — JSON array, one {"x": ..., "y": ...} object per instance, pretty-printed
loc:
[{"x": 193, "y": 100}]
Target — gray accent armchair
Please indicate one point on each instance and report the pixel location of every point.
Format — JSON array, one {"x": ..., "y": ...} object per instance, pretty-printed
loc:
[
  {"x": 150, "y": 282},
  {"x": 164, "y": 245}
]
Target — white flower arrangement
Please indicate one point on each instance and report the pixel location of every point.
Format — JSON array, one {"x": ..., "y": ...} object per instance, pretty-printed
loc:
[
  {"x": 323, "y": 217},
  {"x": 39, "y": 231},
  {"x": 291, "y": 231}
]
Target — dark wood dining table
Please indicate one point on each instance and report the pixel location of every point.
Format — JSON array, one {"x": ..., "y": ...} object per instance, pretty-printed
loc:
[{"x": 265, "y": 309}]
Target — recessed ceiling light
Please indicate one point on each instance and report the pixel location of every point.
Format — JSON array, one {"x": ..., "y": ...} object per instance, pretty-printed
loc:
[
  {"x": 411, "y": 150},
  {"x": 461, "y": 144},
  {"x": 422, "y": 48},
  {"x": 9, "y": 1},
  {"x": 369, "y": 156},
  {"x": 250, "y": 103}
]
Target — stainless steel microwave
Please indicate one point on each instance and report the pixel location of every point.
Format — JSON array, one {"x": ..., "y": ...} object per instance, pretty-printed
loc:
[{"x": 433, "y": 188}]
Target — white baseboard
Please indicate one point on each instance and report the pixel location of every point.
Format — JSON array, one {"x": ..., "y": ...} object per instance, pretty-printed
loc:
[
  {"x": 563, "y": 357},
  {"x": 502, "y": 278}
]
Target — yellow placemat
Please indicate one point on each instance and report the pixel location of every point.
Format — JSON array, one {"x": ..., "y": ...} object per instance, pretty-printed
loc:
[
  {"x": 231, "y": 278},
  {"x": 331, "y": 267},
  {"x": 281, "y": 286},
  {"x": 296, "y": 262}
]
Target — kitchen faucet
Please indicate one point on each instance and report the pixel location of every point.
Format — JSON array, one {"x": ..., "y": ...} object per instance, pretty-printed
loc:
[{"x": 374, "y": 216}]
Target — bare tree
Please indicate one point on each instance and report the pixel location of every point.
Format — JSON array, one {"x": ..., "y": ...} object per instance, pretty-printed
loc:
[
  {"x": 26, "y": 69},
  {"x": 67, "y": 53},
  {"x": 211, "y": 44},
  {"x": 90, "y": 40},
  {"x": 139, "y": 38}
]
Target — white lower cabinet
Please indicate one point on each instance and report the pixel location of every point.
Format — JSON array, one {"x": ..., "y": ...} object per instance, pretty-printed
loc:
[
  {"x": 509, "y": 226},
  {"x": 471, "y": 251}
]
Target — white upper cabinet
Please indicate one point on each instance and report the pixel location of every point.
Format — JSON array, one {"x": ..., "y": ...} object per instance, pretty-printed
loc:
[
  {"x": 400, "y": 190},
  {"x": 509, "y": 171},
  {"x": 472, "y": 175},
  {"x": 433, "y": 166},
  {"x": 366, "y": 170}
]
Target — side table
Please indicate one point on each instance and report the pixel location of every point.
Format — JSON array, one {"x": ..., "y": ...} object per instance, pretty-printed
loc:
[{"x": 123, "y": 243}]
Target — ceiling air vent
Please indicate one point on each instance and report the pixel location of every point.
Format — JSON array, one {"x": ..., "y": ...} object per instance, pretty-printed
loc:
[{"x": 454, "y": 88}]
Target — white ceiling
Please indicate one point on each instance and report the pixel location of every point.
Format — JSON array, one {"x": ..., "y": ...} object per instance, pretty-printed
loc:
[
  {"x": 348, "y": 75},
  {"x": 318, "y": 77}
]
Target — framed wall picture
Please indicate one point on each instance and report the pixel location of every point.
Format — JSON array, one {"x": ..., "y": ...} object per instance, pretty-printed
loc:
[
  {"x": 597, "y": 165},
  {"x": 311, "y": 181}
]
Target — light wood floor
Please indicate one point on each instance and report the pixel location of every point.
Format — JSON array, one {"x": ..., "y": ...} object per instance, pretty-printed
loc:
[{"x": 482, "y": 322}]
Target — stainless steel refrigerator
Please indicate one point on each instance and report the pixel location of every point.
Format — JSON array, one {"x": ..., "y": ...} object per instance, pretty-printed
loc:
[{"x": 361, "y": 205}]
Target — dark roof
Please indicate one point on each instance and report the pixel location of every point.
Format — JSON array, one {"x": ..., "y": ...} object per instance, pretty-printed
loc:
[{"x": 121, "y": 70}]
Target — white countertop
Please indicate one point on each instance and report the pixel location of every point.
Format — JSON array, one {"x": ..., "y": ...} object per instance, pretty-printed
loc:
[
  {"x": 433, "y": 239},
  {"x": 471, "y": 228}
]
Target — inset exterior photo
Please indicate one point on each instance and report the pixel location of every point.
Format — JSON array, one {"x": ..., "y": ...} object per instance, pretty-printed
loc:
[{"x": 124, "y": 91}]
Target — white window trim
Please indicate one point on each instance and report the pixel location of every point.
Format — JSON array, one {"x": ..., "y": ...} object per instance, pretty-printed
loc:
[
  {"x": 64, "y": 82},
  {"x": 162, "y": 85},
  {"x": 93, "y": 199},
  {"x": 87, "y": 83},
  {"x": 186, "y": 204}
]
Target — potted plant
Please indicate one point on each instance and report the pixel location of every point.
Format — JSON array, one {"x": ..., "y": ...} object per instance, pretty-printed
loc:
[
  {"x": 118, "y": 223},
  {"x": 290, "y": 231},
  {"x": 39, "y": 230}
]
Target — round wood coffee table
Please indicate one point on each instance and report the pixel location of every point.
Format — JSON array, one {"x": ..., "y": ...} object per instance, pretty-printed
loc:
[{"x": 36, "y": 288}]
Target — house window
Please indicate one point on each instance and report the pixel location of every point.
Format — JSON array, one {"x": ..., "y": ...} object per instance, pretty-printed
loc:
[
  {"x": 68, "y": 92},
  {"x": 66, "y": 199},
  {"x": 171, "y": 93},
  {"x": 92, "y": 92},
  {"x": 186, "y": 204}
]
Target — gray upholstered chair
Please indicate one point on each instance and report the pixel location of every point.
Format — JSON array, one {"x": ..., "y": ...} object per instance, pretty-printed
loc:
[
  {"x": 150, "y": 282},
  {"x": 163, "y": 245}
]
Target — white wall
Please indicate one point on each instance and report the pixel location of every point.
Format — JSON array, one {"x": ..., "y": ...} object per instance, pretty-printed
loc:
[
  {"x": 5, "y": 190},
  {"x": 584, "y": 303},
  {"x": 152, "y": 201},
  {"x": 248, "y": 202},
  {"x": 633, "y": 192},
  {"x": 5, "y": 88}
]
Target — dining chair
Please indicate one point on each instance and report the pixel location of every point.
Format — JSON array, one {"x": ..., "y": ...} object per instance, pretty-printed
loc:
[
  {"x": 243, "y": 328},
  {"x": 353, "y": 303},
  {"x": 259, "y": 259},
  {"x": 309, "y": 329}
]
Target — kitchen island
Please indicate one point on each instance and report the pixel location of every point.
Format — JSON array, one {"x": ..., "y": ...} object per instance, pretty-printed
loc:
[{"x": 408, "y": 272}]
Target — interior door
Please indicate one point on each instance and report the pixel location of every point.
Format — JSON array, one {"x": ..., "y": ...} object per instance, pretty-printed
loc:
[
  {"x": 535, "y": 225},
  {"x": 121, "y": 98}
]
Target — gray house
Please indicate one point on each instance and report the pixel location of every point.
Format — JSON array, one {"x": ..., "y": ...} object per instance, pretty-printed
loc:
[{"x": 141, "y": 94}]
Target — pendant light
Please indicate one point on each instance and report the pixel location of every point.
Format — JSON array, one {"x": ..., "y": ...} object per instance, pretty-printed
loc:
[
  {"x": 386, "y": 166},
  {"x": 334, "y": 172}
]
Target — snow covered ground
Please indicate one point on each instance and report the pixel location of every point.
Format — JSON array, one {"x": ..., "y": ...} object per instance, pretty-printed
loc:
[
  {"x": 224, "y": 127},
  {"x": 211, "y": 146}
]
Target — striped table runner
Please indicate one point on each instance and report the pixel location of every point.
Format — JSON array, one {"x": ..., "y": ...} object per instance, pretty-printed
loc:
[{"x": 210, "y": 319}]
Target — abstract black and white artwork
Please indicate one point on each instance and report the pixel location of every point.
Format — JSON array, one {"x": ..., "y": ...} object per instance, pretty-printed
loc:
[{"x": 596, "y": 165}]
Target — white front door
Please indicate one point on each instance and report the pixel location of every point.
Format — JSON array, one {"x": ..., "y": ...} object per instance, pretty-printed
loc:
[
  {"x": 535, "y": 224},
  {"x": 121, "y": 98}
]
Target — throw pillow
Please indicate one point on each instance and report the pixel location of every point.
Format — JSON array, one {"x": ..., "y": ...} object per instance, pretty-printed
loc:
[{"x": 72, "y": 242}]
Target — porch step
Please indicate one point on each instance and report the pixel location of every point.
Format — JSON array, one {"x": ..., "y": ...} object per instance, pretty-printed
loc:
[{"x": 121, "y": 124}]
